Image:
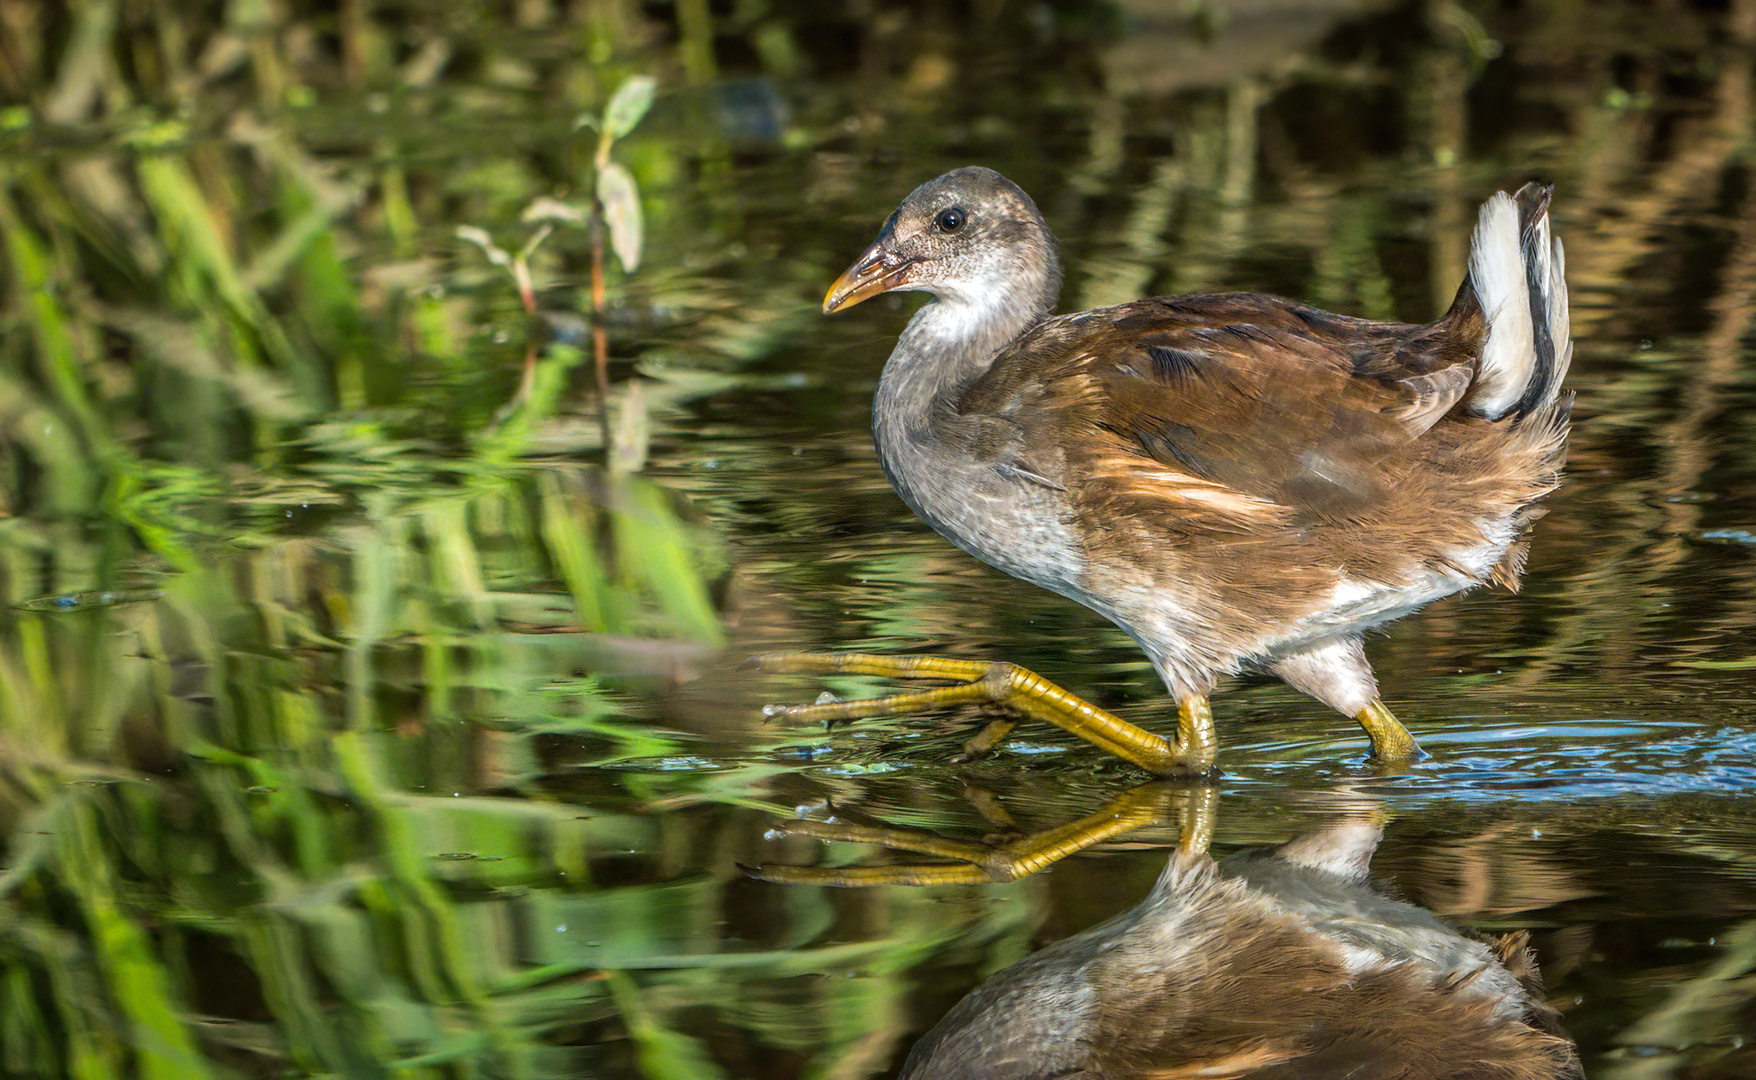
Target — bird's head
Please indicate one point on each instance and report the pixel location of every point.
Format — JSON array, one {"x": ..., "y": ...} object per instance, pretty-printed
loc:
[{"x": 971, "y": 238}]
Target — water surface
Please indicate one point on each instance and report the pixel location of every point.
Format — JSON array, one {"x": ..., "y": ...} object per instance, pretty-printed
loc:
[{"x": 355, "y": 718}]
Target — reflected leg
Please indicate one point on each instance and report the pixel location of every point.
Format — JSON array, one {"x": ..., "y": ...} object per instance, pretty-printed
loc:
[{"x": 977, "y": 863}]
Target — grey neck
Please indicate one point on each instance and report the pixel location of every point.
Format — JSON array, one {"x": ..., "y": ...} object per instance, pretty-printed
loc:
[{"x": 955, "y": 337}]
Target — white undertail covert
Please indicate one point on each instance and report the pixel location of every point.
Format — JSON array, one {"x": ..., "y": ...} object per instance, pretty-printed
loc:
[{"x": 1520, "y": 282}]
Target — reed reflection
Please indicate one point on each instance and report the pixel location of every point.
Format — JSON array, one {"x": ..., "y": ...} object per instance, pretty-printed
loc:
[{"x": 1271, "y": 963}]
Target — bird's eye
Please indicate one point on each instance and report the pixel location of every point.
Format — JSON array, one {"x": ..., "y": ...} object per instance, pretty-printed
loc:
[{"x": 949, "y": 220}]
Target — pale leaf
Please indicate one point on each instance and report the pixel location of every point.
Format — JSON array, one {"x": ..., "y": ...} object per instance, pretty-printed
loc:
[
  {"x": 551, "y": 209},
  {"x": 630, "y": 432},
  {"x": 628, "y": 105},
  {"x": 481, "y": 239},
  {"x": 621, "y": 201}
]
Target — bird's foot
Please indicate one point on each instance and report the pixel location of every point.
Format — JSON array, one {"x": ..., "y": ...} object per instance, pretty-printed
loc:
[
  {"x": 993, "y": 733},
  {"x": 1017, "y": 689},
  {"x": 1392, "y": 745}
]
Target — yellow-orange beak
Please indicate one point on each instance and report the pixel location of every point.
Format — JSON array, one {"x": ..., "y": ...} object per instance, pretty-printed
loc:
[{"x": 877, "y": 271}]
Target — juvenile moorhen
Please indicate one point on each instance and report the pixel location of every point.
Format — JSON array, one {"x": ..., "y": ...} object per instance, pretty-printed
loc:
[{"x": 1238, "y": 481}]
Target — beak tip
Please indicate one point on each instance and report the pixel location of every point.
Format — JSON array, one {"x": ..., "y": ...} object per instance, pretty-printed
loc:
[
  {"x": 862, "y": 281},
  {"x": 841, "y": 294}
]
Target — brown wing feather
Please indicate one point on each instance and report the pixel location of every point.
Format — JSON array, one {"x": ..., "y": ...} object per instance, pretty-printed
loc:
[{"x": 1238, "y": 409}]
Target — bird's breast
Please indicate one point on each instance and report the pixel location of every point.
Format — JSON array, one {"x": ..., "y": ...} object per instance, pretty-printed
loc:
[{"x": 1009, "y": 517}]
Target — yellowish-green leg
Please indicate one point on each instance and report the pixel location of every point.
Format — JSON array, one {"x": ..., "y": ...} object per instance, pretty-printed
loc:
[
  {"x": 1391, "y": 742},
  {"x": 980, "y": 863},
  {"x": 1026, "y": 692},
  {"x": 1196, "y": 738},
  {"x": 992, "y": 734}
]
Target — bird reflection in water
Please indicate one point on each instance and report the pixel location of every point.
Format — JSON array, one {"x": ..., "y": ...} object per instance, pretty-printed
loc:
[{"x": 1276, "y": 962}]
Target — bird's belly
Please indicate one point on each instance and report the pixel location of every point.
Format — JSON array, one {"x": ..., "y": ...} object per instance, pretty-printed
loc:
[
  {"x": 1195, "y": 628},
  {"x": 1354, "y": 604}
]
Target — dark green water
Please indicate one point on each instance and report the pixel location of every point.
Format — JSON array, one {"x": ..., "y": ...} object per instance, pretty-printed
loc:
[{"x": 355, "y": 720}]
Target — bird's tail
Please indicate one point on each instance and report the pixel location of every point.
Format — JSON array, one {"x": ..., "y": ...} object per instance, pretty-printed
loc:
[{"x": 1517, "y": 282}]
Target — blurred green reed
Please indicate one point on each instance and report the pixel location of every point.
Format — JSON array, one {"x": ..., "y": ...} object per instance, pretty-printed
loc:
[
  {"x": 306, "y": 602},
  {"x": 324, "y": 740}
]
